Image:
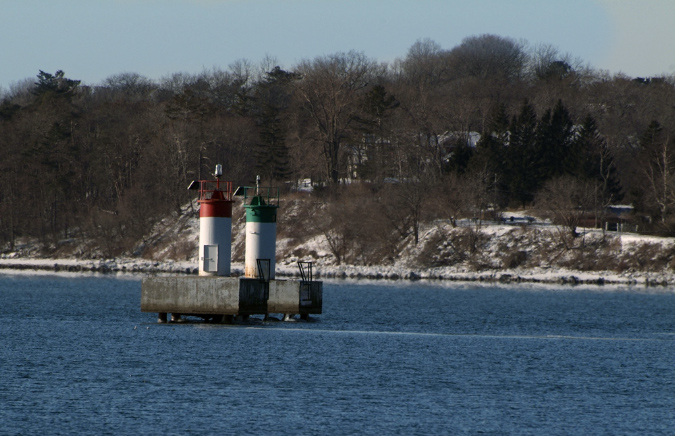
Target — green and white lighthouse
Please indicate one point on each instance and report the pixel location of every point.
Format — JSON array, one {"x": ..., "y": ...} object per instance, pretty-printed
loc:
[{"x": 261, "y": 206}]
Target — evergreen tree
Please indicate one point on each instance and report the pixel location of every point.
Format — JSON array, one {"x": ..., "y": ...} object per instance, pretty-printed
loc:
[
  {"x": 8, "y": 110},
  {"x": 52, "y": 149},
  {"x": 377, "y": 103},
  {"x": 592, "y": 159},
  {"x": 491, "y": 151},
  {"x": 521, "y": 159},
  {"x": 54, "y": 85},
  {"x": 554, "y": 140},
  {"x": 272, "y": 98},
  {"x": 461, "y": 155}
]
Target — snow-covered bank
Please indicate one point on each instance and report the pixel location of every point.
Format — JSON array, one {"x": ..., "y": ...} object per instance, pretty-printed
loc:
[
  {"x": 511, "y": 251},
  {"x": 557, "y": 276},
  {"x": 289, "y": 270},
  {"x": 99, "y": 266}
]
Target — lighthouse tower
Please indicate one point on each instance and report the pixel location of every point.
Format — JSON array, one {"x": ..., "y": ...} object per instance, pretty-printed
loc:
[
  {"x": 216, "y": 297},
  {"x": 261, "y": 206},
  {"x": 215, "y": 225}
]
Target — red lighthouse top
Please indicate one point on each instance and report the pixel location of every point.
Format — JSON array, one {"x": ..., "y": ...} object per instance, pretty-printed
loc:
[{"x": 215, "y": 196}]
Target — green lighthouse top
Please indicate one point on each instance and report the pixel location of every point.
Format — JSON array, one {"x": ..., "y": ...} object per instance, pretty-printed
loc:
[
  {"x": 258, "y": 196},
  {"x": 261, "y": 203},
  {"x": 255, "y": 196}
]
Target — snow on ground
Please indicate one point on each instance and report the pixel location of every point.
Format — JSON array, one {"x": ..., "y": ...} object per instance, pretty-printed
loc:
[
  {"x": 323, "y": 271},
  {"x": 628, "y": 239},
  {"x": 185, "y": 230}
]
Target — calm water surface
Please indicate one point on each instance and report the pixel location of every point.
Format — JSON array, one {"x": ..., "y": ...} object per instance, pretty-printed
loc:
[{"x": 78, "y": 357}]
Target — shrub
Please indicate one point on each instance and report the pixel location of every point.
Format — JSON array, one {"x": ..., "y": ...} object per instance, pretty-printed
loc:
[{"x": 514, "y": 259}]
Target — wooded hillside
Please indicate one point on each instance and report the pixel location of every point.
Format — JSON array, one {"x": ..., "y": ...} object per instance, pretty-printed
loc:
[{"x": 489, "y": 124}]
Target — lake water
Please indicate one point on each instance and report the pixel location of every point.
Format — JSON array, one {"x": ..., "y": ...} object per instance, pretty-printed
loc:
[{"x": 78, "y": 357}]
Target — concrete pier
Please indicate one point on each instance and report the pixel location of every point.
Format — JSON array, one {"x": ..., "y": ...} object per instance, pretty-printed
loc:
[{"x": 224, "y": 297}]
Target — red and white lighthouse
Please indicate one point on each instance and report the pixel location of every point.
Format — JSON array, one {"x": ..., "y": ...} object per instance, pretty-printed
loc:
[{"x": 215, "y": 225}]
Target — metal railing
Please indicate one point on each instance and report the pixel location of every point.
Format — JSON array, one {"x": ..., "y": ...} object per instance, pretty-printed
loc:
[
  {"x": 213, "y": 189},
  {"x": 305, "y": 271},
  {"x": 268, "y": 194},
  {"x": 264, "y": 270}
]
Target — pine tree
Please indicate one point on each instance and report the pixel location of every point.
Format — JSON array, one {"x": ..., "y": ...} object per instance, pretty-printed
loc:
[
  {"x": 53, "y": 149},
  {"x": 54, "y": 85},
  {"x": 521, "y": 159},
  {"x": 273, "y": 98},
  {"x": 492, "y": 148},
  {"x": 554, "y": 140},
  {"x": 592, "y": 159}
]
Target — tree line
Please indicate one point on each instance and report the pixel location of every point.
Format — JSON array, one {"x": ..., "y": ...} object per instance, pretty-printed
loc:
[{"x": 490, "y": 124}]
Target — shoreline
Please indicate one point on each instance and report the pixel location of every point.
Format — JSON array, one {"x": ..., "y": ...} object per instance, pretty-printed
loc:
[{"x": 348, "y": 272}]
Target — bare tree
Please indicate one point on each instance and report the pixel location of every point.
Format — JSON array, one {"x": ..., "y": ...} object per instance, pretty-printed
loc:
[
  {"x": 490, "y": 56},
  {"x": 330, "y": 91},
  {"x": 547, "y": 62},
  {"x": 20, "y": 92},
  {"x": 405, "y": 205},
  {"x": 453, "y": 201},
  {"x": 567, "y": 201},
  {"x": 337, "y": 229},
  {"x": 658, "y": 157},
  {"x": 176, "y": 83},
  {"x": 424, "y": 63},
  {"x": 421, "y": 84},
  {"x": 131, "y": 86}
]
